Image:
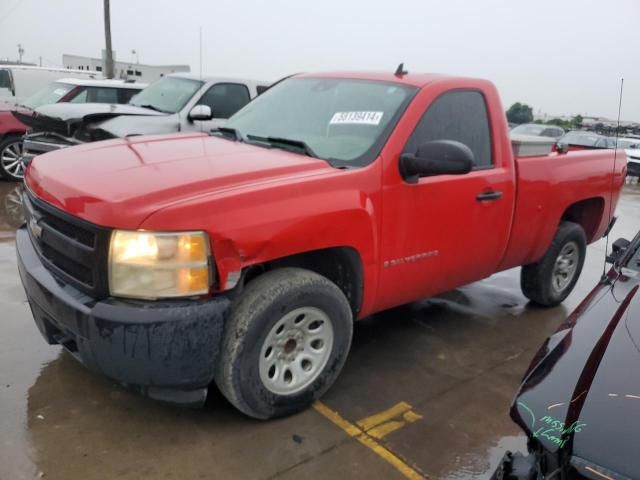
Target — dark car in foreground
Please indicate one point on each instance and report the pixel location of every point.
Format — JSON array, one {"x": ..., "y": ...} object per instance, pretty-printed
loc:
[{"x": 579, "y": 403}]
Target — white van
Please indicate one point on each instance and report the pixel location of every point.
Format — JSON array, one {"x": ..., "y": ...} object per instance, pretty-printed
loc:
[{"x": 18, "y": 82}]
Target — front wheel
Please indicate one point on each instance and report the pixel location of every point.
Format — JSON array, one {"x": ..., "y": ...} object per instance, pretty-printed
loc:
[
  {"x": 285, "y": 343},
  {"x": 11, "y": 163},
  {"x": 551, "y": 280}
]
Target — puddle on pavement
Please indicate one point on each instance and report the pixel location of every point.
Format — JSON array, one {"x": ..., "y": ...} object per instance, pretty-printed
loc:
[
  {"x": 10, "y": 210},
  {"x": 481, "y": 464}
]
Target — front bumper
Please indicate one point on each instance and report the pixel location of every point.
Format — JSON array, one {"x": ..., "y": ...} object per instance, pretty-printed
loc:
[
  {"x": 165, "y": 350},
  {"x": 35, "y": 144}
]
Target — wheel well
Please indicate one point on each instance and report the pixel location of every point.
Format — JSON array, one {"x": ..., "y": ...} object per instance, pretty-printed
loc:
[
  {"x": 341, "y": 265},
  {"x": 586, "y": 213},
  {"x": 8, "y": 135}
]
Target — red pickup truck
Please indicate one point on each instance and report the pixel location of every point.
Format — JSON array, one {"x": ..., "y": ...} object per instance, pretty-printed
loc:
[{"x": 243, "y": 257}]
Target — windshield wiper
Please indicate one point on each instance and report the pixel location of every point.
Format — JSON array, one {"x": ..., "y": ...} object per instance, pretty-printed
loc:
[
  {"x": 280, "y": 142},
  {"x": 150, "y": 107},
  {"x": 228, "y": 132}
]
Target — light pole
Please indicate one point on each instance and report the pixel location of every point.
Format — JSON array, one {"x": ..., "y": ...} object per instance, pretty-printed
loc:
[
  {"x": 108, "y": 67},
  {"x": 134, "y": 52},
  {"x": 20, "y": 52}
]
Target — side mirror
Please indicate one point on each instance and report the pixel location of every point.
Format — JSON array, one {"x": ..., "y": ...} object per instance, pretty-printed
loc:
[
  {"x": 617, "y": 249},
  {"x": 201, "y": 112},
  {"x": 438, "y": 157}
]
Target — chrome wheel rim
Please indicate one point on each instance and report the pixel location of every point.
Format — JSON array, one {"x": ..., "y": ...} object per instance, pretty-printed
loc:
[
  {"x": 565, "y": 267},
  {"x": 11, "y": 158},
  {"x": 296, "y": 350}
]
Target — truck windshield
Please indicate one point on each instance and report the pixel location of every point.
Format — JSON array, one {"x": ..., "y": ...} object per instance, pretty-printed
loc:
[
  {"x": 52, "y": 93},
  {"x": 343, "y": 121},
  {"x": 169, "y": 94}
]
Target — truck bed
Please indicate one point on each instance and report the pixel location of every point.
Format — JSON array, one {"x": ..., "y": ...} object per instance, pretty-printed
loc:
[{"x": 547, "y": 186}]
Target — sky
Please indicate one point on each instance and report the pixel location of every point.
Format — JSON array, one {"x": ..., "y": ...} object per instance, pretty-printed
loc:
[{"x": 558, "y": 56}]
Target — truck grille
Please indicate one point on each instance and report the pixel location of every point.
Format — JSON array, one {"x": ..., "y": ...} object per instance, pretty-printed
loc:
[{"x": 74, "y": 250}]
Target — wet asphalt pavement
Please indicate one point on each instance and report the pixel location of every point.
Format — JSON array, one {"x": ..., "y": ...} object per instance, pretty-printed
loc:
[{"x": 449, "y": 365}]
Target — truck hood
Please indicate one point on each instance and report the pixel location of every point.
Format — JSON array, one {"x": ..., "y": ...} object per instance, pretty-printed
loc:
[
  {"x": 118, "y": 183},
  {"x": 65, "y": 118},
  {"x": 582, "y": 392}
]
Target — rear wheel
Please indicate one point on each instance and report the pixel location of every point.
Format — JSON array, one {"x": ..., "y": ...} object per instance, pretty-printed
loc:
[
  {"x": 11, "y": 164},
  {"x": 551, "y": 280},
  {"x": 285, "y": 343}
]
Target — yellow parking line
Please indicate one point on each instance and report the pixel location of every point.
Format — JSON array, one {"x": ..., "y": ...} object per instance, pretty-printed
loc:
[
  {"x": 366, "y": 440},
  {"x": 375, "y": 420},
  {"x": 385, "y": 429}
]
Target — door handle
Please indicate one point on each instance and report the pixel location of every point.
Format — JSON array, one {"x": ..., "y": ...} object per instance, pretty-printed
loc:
[{"x": 488, "y": 196}]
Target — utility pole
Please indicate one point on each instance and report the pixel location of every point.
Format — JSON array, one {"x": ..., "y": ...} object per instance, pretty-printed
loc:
[{"x": 108, "y": 58}]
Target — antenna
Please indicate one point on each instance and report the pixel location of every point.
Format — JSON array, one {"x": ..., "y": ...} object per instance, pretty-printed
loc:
[
  {"x": 613, "y": 175},
  {"x": 400, "y": 71}
]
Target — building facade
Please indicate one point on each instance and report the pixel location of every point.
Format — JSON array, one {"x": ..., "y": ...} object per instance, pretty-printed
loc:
[{"x": 123, "y": 70}]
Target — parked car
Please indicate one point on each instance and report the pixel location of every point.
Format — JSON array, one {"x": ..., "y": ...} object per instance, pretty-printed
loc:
[
  {"x": 243, "y": 257},
  {"x": 537, "y": 130},
  {"x": 177, "y": 102},
  {"x": 584, "y": 140},
  {"x": 632, "y": 150},
  {"x": 18, "y": 82},
  {"x": 579, "y": 401},
  {"x": 71, "y": 90}
]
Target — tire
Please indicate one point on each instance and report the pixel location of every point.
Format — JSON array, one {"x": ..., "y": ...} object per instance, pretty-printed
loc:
[
  {"x": 551, "y": 280},
  {"x": 10, "y": 151},
  {"x": 253, "y": 364}
]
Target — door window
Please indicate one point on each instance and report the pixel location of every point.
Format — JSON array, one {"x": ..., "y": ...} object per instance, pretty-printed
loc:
[
  {"x": 225, "y": 99},
  {"x": 5, "y": 79},
  {"x": 459, "y": 115},
  {"x": 125, "y": 94}
]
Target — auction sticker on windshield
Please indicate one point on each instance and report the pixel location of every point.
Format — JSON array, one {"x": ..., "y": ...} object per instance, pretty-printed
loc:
[{"x": 365, "y": 118}]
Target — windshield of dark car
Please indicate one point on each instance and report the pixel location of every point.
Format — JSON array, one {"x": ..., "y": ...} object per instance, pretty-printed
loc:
[
  {"x": 582, "y": 139},
  {"x": 169, "y": 94},
  {"x": 52, "y": 93},
  {"x": 624, "y": 143},
  {"x": 340, "y": 120},
  {"x": 529, "y": 129}
]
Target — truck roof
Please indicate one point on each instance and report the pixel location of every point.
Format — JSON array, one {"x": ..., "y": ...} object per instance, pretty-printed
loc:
[
  {"x": 207, "y": 78},
  {"x": 89, "y": 82},
  {"x": 412, "y": 79}
]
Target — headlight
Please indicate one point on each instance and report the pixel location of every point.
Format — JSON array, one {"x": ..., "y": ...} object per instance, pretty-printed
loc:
[{"x": 159, "y": 265}]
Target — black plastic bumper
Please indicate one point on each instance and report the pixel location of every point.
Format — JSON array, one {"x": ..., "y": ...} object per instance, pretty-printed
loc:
[
  {"x": 165, "y": 350},
  {"x": 633, "y": 169},
  {"x": 515, "y": 466}
]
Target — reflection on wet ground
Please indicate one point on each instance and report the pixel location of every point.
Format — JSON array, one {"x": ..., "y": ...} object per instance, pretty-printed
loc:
[
  {"x": 10, "y": 209},
  {"x": 456, "y": 359}
]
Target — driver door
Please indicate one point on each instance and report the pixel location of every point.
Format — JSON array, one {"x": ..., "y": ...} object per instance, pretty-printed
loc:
[{"x": 447, "y": 230}]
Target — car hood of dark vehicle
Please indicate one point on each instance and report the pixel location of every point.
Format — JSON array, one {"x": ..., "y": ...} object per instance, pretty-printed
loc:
[
  {"x": 64, "y": 118},
  {"x": 582, "y": 390}
]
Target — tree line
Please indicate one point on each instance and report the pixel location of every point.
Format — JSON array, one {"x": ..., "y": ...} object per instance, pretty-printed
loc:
[{"x": 522, "y": 113}]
